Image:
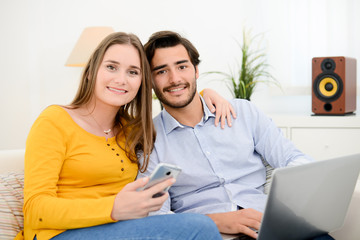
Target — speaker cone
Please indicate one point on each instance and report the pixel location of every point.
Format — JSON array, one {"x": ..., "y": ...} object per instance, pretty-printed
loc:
[
  {"x": 328, "y": 87},
  {"x": 328, "y": 65}
]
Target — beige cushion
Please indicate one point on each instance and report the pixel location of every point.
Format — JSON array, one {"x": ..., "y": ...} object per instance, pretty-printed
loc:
[
  {"x": 11, "y": 203},
  {"x": 269, "y": 171}
]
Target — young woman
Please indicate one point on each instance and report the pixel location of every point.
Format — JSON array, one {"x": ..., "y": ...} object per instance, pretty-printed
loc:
[{"x": 81, "y": 159}]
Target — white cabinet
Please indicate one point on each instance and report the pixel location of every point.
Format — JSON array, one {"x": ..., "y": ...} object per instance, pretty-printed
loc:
[{"x": 322, "y": 137}]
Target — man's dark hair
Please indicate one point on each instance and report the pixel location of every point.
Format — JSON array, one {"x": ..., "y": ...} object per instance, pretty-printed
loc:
[{"x": 164, "y": 39}]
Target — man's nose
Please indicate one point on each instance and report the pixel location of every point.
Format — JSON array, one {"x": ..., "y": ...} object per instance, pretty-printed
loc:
[{"x": 174, "y": 77}]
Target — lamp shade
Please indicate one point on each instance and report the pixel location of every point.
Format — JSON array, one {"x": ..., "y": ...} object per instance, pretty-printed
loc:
[{"x": 88, "y": 41}]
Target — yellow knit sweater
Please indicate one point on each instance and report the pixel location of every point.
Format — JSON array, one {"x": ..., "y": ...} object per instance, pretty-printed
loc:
[{"x": 71, "y": 176}]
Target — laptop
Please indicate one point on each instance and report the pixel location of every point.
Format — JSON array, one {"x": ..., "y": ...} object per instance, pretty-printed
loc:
[{"x": 308, "y": 200}]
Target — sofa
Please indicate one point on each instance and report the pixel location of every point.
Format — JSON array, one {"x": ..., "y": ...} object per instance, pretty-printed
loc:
[
  {"x": 11, "y": 200},
  {"x": 11, "y": 192}
]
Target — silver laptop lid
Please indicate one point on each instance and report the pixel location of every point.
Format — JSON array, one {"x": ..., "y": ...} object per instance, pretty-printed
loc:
[{"x": 311, "y": 199}]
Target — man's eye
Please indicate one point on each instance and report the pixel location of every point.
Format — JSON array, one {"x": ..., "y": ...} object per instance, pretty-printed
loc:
[
  {"x": 183, "y": 67},
  {"x": 160, "y": 72},
  {"x": 111, "y": 67}
]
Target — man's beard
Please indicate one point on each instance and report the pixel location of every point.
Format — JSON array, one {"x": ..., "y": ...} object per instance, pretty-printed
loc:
[{"x": 176, "y": 104}]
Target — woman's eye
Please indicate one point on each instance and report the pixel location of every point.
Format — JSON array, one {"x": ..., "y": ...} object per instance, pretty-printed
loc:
[
  {"x": 111, "y": 67},
  {"x": 133, "y": 72}
]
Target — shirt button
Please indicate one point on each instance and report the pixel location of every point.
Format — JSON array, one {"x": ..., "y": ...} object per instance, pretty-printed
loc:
[
  {"x": 122, "y": 169},
  {"x": 208, "y": 153},
  {"x": 222, "y": 181}
]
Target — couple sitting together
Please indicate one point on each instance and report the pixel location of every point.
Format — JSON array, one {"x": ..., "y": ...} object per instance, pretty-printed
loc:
[{"x": 84, "y": 162}]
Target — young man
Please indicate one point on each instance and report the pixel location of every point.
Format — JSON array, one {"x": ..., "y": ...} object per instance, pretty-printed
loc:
[{"x": 223, "y": 174}]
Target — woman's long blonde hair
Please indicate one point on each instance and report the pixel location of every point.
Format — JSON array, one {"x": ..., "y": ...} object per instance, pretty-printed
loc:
[{"x": 134, "y": 118}]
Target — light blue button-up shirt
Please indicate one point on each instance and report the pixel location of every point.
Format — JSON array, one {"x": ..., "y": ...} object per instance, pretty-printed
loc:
[{"x": 221, "y": 168}]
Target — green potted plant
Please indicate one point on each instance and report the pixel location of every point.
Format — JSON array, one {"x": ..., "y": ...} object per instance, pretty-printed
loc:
[{"x": 251, "y": 71}]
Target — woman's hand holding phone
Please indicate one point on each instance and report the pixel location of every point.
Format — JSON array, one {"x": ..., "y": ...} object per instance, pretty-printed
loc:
[
  {"x": 145, "y": 195},
  {"x": 131, "y": 204}
]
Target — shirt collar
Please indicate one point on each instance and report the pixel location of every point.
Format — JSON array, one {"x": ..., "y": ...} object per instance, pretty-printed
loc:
[
  {"x": 171, "y": 123},
  {"x": 207, "y": 113}
]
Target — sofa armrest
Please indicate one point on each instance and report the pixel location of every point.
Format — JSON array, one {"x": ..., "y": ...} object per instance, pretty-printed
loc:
[
  {"x": 12, "y": 160},
  {"x": 350, "y": 229}
]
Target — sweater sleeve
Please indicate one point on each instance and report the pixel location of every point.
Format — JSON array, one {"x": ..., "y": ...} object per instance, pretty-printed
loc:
[{"x": 43, "y": 209}]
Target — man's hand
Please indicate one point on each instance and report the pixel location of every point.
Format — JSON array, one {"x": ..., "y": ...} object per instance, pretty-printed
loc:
[{"x": 240, "y": 221}]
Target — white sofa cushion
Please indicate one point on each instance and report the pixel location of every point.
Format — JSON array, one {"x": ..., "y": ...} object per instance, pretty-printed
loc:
[{"x": 12, "y": 160}]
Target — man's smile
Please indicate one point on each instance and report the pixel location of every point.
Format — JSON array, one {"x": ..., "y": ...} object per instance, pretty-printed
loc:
[{"x": 176, "y": 89}]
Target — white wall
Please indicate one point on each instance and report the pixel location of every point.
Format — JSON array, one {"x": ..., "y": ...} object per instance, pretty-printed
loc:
[{"x": 37, "y": 37}]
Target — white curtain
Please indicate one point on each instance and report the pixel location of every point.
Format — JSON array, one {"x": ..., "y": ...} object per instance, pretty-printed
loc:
[{"x": 297, "y": 31}]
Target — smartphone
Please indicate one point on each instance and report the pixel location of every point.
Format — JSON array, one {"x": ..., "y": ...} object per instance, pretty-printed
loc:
[{"x": 162, "y": 172}]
